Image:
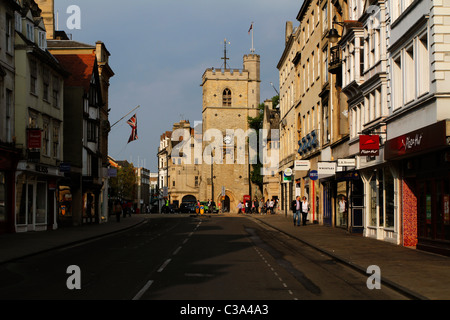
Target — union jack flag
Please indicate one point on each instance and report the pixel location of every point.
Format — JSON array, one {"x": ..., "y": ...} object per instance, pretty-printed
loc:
[{"x": 133, "y": 123}]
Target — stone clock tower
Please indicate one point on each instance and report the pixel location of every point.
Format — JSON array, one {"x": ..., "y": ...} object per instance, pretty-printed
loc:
[{"x": 229, "y": 97}]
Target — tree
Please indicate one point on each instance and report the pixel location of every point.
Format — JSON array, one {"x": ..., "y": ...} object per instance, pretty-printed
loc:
[
  {"x": 256, "y": 123},
  {"x": 123, "y": 187}
]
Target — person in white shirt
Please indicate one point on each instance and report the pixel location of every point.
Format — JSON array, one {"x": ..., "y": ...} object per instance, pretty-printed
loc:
[{"x": 305, "y": 210}]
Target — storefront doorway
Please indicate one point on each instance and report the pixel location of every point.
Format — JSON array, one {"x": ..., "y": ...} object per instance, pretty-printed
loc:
[{"x": 433, "y": 205}]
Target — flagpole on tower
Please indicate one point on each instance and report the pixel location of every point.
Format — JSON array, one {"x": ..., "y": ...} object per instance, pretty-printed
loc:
[{"x": 252, "y": 50}]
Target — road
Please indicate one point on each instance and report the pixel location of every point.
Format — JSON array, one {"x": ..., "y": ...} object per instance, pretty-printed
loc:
[{"x": 179, "y": 257}]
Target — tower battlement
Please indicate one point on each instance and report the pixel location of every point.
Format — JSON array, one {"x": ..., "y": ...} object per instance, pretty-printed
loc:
[{"x": 225, "y": 74}]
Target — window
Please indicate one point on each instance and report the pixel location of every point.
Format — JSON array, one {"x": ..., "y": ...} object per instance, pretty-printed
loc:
[
  {"x": 397, "y": 87},
  {"x": 409, "y": 75},
  {"x": 8, "y": 115},
  {"x": 8, "y": 33},
  {"x": 326, "y": 129},
  {"x": 32, "y": 119},
  {"x": 30, "y": 31},
  {"x": 91, "y": 131},
  {"x": 45, "y": 138},
  {"x": 55, "y": 151},
  {"x": 382, "y": 197},
  {"x": 423, "y": 66},
  {"x": 93, "y": 99},
  {"x": 33, "y": 76},
  {"x": 361, "y": 56},
  {"x": 325, "y": 17},
  {"x": 55, "y": 92},
  {"x": 226, "y": 98},
  {"x": 325, "y": 64},
  {"x": 46, "y": 82}
]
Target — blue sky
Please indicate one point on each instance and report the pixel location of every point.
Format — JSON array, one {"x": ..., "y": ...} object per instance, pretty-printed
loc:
[{"x": 160, "y": 49}]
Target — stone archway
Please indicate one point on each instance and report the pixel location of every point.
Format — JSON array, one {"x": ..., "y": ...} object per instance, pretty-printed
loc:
[
  {"x": 230, "y": 202},
  {"x": 189, "y": 198}
]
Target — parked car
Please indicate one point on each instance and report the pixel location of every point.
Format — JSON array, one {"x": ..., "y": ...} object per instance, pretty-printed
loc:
[
  {"x": 169, "y": 209},
  {"x": 187, "y": 207}
]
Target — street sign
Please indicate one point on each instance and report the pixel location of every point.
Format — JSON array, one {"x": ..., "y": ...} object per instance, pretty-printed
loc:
[{"x": 313, "y": 175}]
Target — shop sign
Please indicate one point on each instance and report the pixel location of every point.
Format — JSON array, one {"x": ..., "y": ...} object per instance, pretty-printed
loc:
[
  {"x": 64, "y": 167},
  {"x": 346, "y": 162},
  {"x": 326, "y": 168},
  {"x": 34, "y": 138},
  {"x": 302, "y": 165},
  {"x": 369, "y": 145},
  {"x": 287, "y": 175},
  {"x": 446, "y": 205},
  {"x": 430, "y": 137}
]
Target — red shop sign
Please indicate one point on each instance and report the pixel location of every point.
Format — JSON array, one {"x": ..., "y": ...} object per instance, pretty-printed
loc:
[
  {"x": 422, "y": 140},
  {"x": 34, "y": 138},
  {"x": 369, "y": 145}
]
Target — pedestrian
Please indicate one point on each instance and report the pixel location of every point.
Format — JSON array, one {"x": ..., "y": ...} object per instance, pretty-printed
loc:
[
  {"x": 261, "y": 205},
  {"x": 271, "y": 206},
  {"x": 239, "y": 206},
  {"x": 117, "y": 210},
  {"x": 256, "y": 205},
  {"x": 246, "y": 206},
  {"x": 295, "y": 206},
  {"x": 305, "y": 210}
]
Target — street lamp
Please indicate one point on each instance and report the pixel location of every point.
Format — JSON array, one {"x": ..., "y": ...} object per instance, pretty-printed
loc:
[{"x": 333, "y": 34}]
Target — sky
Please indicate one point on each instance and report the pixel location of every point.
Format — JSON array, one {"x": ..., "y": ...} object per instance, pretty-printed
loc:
[{"x": 160, "y": 50}]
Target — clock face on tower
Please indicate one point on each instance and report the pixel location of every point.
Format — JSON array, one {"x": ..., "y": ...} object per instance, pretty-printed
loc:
[{"x": 227, "y": 139}]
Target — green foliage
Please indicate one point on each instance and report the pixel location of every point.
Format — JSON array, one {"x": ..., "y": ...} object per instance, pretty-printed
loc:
[
  {"x": 123, "y": 186},
  {"x": 256, "y": 123}
]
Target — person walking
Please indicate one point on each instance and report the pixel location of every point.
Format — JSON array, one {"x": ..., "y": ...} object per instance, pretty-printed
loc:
[
  {"x": 117, "y": 210},
  {"x": 239, "y": 206},
  {"x": 296, "y": 205},
  {"x": 305, "y": 209}
]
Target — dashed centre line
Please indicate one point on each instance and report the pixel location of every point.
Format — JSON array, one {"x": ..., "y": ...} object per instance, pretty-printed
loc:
[
  {"x": 274, "y": 272},
  {"x": 164, "y": 265}
]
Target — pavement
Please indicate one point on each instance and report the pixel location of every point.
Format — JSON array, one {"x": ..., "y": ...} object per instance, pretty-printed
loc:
[{"x": 417, "y": 274}]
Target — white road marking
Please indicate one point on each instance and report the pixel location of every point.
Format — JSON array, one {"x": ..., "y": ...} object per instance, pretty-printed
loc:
[
  {"x": 164, "y": 265},
  {"x": 143, "y": 290}
]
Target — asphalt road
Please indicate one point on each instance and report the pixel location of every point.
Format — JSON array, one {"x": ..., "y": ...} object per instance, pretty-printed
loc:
[{"x": 188, "y": 258}]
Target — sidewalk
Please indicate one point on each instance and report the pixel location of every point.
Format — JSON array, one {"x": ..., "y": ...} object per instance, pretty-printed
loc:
[
  {"x": 419, "y": 274},
  {"x": 18, "y": 245}
]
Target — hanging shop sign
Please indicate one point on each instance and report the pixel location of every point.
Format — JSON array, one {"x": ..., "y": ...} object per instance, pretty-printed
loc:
[
  {"x": 427, "y": 138},
  {"x": 326, "y": 168},
  {"x": 346, "y": 162},
  {"x": 34, "y": 138},
  {"x": 302, "y": 165},
  {"x": 287, "y": 175},
  {"x": 369, "y": 145}
]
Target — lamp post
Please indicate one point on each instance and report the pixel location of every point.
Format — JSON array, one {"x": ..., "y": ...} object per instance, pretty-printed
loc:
[{"x": 333, "y": 34}]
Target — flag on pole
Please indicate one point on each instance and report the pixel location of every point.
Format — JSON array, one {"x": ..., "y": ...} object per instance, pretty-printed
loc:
[
  {"x": 133, "y": 123},
  {"x": 251, "y": 27}
]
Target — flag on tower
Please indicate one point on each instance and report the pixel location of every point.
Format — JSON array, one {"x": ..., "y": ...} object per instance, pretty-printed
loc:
[
  {"x": 133, "y": 123},
  {"x": 251, "y": 27}
]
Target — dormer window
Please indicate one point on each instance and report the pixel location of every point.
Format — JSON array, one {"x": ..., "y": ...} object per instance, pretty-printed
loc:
[
  {"x": 30, "y": 31},
  {"x": 226, "y": 98}
]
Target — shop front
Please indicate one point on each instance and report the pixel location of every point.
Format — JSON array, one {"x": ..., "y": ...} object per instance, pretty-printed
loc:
[
  {"x": 36, "y": 197},
  {"x": 8, "y": 163},
  {"x": 423, "y": 158}
]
